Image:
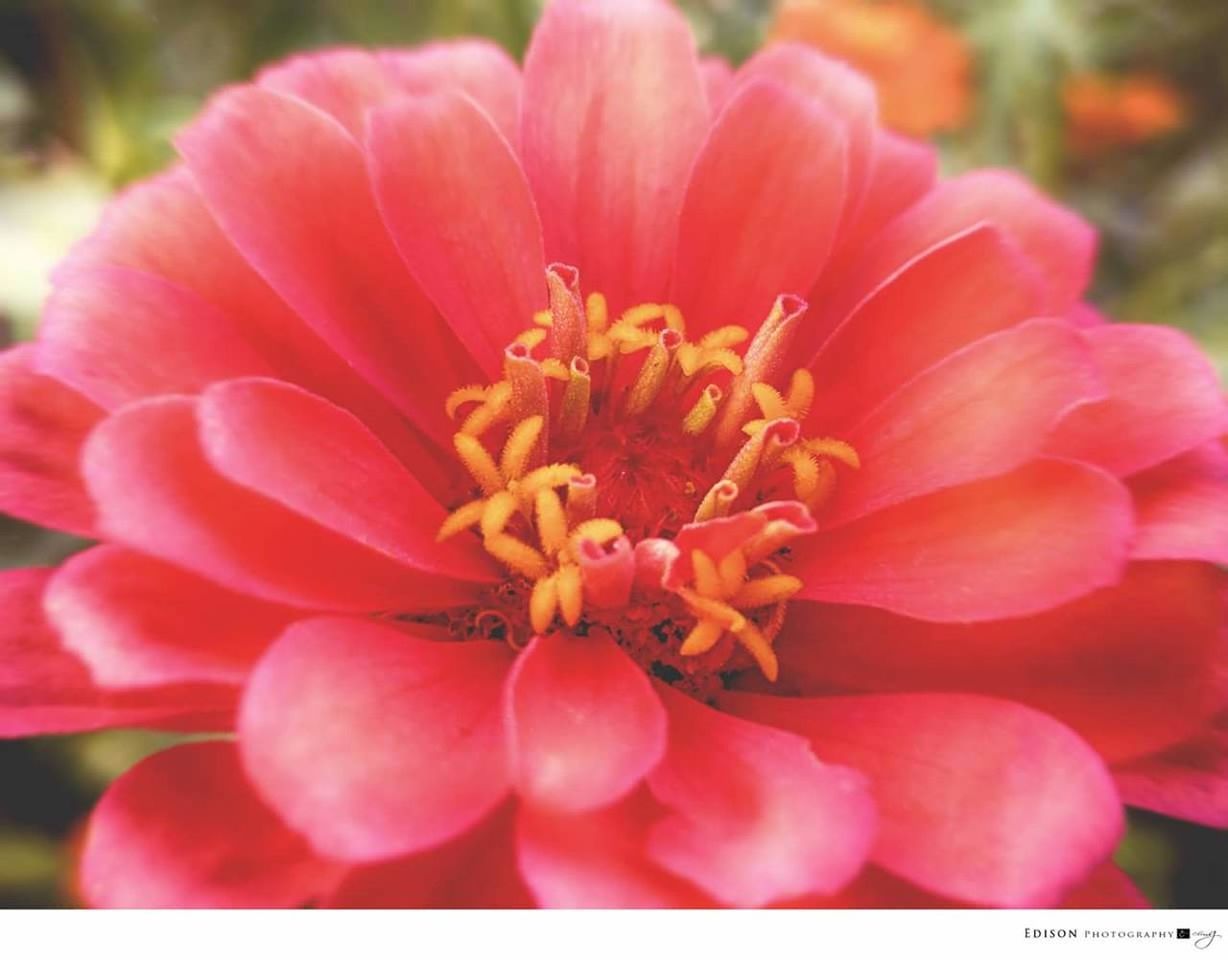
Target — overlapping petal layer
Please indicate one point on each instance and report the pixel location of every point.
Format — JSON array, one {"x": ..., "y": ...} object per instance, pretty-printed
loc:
[{"x": 240, "y": 388}]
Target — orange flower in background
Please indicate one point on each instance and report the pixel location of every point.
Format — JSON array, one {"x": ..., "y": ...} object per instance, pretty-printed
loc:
[
  {"x": 1103, "y": 112},
  {"x": 919, "y": 65}
]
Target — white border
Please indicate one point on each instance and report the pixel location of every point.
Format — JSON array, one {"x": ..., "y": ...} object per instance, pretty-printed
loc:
[{"x": 605, "y": 935}]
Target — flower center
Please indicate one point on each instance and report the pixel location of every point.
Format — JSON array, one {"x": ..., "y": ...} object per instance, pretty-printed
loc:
[{"x": 607, "y": 445}]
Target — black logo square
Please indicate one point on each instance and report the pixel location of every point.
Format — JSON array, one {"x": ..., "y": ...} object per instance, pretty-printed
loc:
[{"x": 1183, "y": 933}]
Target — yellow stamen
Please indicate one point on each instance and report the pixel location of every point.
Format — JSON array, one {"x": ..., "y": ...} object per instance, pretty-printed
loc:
[
  {"x": 718, "y": 501},
  {"x": 530, "y": 398},
  {"x": 480, "y": 464},
  {"x": 641, "y": 314},
  {"x": 581, "y": 499},
  {"x": 543, "y": 319},
  {"x": 600, "y": 346},
  {"x": 695, "y": 361},
  {"x": 764, "y": 358},
  {"x": 631, "y": 339},
  {"x": 458, "y": 398},
  {"x": 652, "y": 374},
  {"x": 517, "y": 556},
  {"x": 554, "y": 369},
  {"x": 824, "y": 486},
  {"x": 705, "y": 635},
  {"x": 771, "y": 538},
  {"x": 775, "y": 621},
  {"x": 759, "y": 648},
  {"x": 805, "y": 468},
  {"x": 760, "y": 451},
  {"x": 577, "y": 395},
  {"x": 462, "y": 518},
  {"x": 569, "y": 329},
  {"x": 701, "y": 414},
  {"x": 835, "y": 449},
  {"x": 532, "y": 337},
  {"x": 733, "y": 572},
  {"x": 598, "y": 312},
  {"x": 771, "y": 403},
  {"x": 551, "y": 475},
  {"x": 801, "y": 394},
  {"x": 570, "y": 589},
  {"x": 722, "y": 338},
  {"x": 709, "y": 609},
  {"x": 497, "y": 514},
  {"x": 520, "y": 447},
  {"x": 766, "y": 591},
  {"x": 543, "y": 603},
  {"x": 491, "y": 412},
  {"x": 707, "y": 578},
  {"x": 601, "y": 531},
  {"x": 551, "y": 522}
]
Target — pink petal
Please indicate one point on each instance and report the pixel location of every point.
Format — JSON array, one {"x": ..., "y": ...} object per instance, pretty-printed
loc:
[
  {"x": 157, "y": 493},
  {"x": 761, "y": 208},
  {"x": 343, "y": 82},
  {"x": 1181, "y": 507},
  {"x": 289, "y": 187},
  {"x": 755, "y": 817},
  {"x": 251, "y": 432},
  {"x": 598, "y": 860},
  {"x": 969, "y": 287},
  {"x": 42, "y": 426},
  {"x": 614, "y": 113},
  {"x": 476, "y": 870},
  {"x": 1004, "y": 547},
  {"x": 1083, "y": 315},
  {"x": 876, "y": 889},
  {"x": 1057, "y": 243},
  {"x": 1189, "y": 781},
  {"x": 583, "y": 723},
  {"x": 373, "y": 742},
  {"x": 478, "y": 68},
  {"x": 983, "y": 411},
  {"x": 847, "y": 95},
  {"x": 1163, "y": 398},
  {"x": 1105, "y": 888},
  {"x": 980, "y": 799},
  {"x": 459, "y": 209},
  {"x": 161, "y": 227},
  {"x": 137, "y": 622},
  {"x": 1056, "y": 240},
  {"x": 1108, "y": 887},
  {"x": 184, "y": 829},
  {"x": 45, "y": 689},
  {"x": 118, "y": 335},
  {"x": 1142, "y": 651},
  {"x": 717, "y": 76},
  {"x": 901, "y": 172}
]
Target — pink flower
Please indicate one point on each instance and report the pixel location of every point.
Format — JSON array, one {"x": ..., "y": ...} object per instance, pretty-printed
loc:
[{"x": 441, "y": 453}]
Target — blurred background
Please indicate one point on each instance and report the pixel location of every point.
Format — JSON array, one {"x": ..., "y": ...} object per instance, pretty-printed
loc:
[{"x": 1117, "y": 107}]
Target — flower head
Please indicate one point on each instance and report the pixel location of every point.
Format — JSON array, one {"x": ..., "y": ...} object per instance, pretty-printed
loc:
[
  {"x": 611, "y": 483},
  {"x": 919, "y": 66}
]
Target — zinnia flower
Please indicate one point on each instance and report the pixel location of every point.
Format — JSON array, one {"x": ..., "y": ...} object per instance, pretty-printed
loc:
[
  {"x": 581, "y": 486},
  {"x": 919, "y": 66},
  {"x": 1104, "y": 112}
]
